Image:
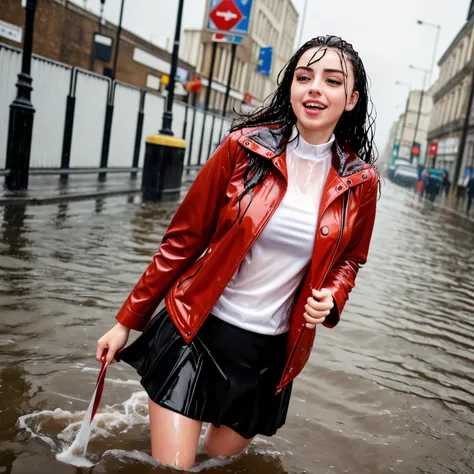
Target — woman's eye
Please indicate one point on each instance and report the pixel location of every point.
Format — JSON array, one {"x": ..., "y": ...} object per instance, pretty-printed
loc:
[
  {"x": 302, "y": 78},
  {"x": 334, "y": 82}
]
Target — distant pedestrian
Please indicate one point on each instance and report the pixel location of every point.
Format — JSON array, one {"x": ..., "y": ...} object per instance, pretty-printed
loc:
[
  {"x": 265, "y": 246},
  {"x": 446, "y": 184},
  {"x": 470, "y": 193}
]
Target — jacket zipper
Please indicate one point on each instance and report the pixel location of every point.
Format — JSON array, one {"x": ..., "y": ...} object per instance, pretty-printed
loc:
[
  {"x": 300, "y": 335},
  {"x": 189, "y": 277}
]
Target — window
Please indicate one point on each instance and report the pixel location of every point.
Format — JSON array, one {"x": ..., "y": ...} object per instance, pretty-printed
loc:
[{"x": 462, "y": 98}]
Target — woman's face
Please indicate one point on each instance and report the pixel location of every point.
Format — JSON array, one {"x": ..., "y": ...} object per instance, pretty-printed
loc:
[{"x": 322, "y": 89}]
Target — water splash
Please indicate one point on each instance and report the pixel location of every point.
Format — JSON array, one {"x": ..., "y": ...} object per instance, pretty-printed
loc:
[
  {"x": 76, "y": 453},
  {"x": 69, "y": 433}
]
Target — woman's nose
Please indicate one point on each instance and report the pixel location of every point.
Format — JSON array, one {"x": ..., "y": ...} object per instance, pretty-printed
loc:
[{"x": 315, "y": 88}]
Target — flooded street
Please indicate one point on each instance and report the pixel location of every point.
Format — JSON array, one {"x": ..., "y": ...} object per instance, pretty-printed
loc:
[{"x": 391, "y": 389}]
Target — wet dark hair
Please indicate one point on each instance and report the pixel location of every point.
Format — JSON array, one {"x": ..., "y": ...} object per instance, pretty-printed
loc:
[{"x": 355, "y": 128}]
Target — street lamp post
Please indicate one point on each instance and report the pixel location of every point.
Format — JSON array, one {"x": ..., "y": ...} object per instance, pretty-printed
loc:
[
  {"x": 425, "y": 73},
  {"x": 117, "y": 41},
  {"x": 300, "y": 39},
  {"x": 398, "y": 83},
  {"x": 20, "y": 125},
  {"x": 438, "y": 29},
  {"x": 168, "y": 114}
]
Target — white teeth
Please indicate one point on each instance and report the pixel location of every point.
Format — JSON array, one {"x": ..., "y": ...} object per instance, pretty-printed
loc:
[{"x": 315, "y": 106}]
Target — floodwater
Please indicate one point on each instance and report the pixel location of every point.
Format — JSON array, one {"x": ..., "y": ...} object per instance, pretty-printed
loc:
[{"x": 391, "y": 389}]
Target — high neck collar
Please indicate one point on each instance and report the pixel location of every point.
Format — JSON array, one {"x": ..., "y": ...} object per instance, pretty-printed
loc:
[{"x": 298, "y": 145}]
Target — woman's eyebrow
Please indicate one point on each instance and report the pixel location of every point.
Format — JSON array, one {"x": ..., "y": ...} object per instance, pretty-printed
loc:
[
  {"x": 335, "y": 70},
  {"x": 305, "y": 68},
  {"x": 331, "y": 71}
]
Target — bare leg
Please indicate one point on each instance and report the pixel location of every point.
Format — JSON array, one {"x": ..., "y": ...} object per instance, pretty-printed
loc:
[
  {"x": 174, "y": 438},
  {"x": 224, "y": 441}
]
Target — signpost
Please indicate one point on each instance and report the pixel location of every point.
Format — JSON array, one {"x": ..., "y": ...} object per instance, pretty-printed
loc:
[
  {"x": 229, "y": 20},
  {"x": 230, "y": 16},
  {"x": 222, "y": 38},
  {"x": 433, "y": 148},
  {"x": 265, "y": 60}
]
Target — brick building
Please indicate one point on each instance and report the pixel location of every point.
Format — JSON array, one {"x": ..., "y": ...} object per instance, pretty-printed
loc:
[{"x": 64, "y": 32}]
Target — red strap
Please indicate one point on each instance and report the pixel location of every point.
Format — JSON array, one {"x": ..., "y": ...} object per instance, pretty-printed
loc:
[{"x": 99, "y": 386}]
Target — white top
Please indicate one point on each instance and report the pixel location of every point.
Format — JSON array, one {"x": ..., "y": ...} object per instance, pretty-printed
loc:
[{"x": 259, "y": 297}]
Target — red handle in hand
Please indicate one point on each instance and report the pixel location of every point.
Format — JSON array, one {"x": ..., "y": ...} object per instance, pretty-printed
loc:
[{"x": 99, "y": 385}]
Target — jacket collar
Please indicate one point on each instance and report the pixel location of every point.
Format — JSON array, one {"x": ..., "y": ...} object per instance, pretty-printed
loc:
[{"x": 266, "y": 142}]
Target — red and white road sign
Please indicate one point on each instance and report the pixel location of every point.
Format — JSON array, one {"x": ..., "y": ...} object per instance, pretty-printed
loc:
[
  {"x": 433, "y": 149},
  {"x": 248, "y": 98},
  {"x": 193, "y": 85},
  {"x": 226, "y": 15}
]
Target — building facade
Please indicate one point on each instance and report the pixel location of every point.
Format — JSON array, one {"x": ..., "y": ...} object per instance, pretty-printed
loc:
[
  {"x": 411, "y": 128},
  {"x": 273, "y": 23},
  {"x": 451, "y": 96},
  {"x": 64, "y": 32}
]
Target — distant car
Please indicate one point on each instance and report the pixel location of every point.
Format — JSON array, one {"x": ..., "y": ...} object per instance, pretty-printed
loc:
[
  {"x": 398, "y": 162},
  {"x": 406, "y": 175},
  {"x": 391, "y": 171},
  {"x": 434, "y": 181}
]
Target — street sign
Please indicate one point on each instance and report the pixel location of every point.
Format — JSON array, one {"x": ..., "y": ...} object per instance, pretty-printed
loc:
[
  {"x": 194, "y": 84},
  {"x": 433, "y": 148},
  {"x": 265, "y": 60},
  {"x": 11, "y": 32},
  {"x": 222, "y": 38},
  {"x": 248, "y": 98},
  {"x": 230, "y": 16},
  {"x": 226, "y": 15}
]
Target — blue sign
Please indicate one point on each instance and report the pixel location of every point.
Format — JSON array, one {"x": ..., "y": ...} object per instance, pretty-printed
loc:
[
  {"x": 265, "y": 60},
  {"x": 221, "y": 38},
  {"x": 240, "y": 7},
  {"x": 395, "y": 150}
]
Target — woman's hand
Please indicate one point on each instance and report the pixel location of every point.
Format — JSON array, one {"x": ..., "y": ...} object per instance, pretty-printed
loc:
[
  {"x": 318, "y": 307},
  {"x": 111, "y": 342}
]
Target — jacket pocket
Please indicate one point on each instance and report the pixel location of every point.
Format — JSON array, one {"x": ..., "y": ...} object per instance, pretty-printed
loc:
[{"x": 189, "y": 278}]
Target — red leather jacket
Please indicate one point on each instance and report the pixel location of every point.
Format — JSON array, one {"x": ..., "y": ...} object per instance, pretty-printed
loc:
[{"x": 204, "y": 244}]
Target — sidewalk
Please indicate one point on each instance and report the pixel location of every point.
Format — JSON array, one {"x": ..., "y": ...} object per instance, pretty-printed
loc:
[{"x": 50, "y": 189}]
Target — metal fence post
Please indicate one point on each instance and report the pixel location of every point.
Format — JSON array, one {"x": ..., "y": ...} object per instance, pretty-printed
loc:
[
  {"x": 109, "y": 114},
  {"x": 138, "y": 134},
  {"x": 20, "y": 125},
  {"x": 212, "y": 134},
  {"x": 69, "y": 124}
]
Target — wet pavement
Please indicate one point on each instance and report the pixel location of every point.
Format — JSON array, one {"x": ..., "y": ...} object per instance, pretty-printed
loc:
[{"x": 391, "y": 389}]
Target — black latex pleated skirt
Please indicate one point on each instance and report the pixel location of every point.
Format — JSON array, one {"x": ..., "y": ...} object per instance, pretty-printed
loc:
[{"x": 225, "y": 376}]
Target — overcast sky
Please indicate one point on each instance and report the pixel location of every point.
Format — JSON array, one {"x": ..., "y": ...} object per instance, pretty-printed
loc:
[{"x": 384, "y": 32}]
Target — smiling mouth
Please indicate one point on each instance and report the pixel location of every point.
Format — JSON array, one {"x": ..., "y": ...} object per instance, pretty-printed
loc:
[{"x": 314, "y": 106}]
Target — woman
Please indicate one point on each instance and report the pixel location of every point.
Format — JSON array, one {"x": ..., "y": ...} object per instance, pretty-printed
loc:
[{"x": 265, "y": 246}]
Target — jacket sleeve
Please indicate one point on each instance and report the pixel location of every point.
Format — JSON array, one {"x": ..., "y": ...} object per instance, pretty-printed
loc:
[
  {"x": 186, "y": 238},
  {"x": 341, "y": 278}
]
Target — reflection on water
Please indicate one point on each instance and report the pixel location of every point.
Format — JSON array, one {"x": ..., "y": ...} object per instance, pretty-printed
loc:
[{"x": 389, "y": 390}]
